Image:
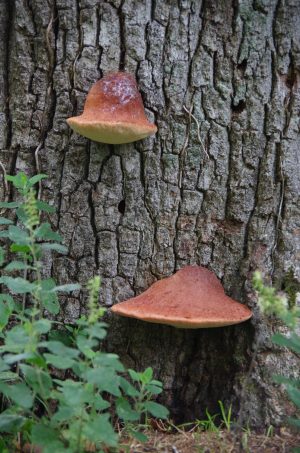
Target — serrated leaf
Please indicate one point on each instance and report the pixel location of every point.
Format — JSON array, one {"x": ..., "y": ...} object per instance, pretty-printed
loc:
[
  {"x": 125, "y": 411},
  {"x": 17, "y": 285},
  {"x": 138, "y": 435},
  {"x": 18, "y": 235},
  {"x": 42, "y": 206},
  {"x": 153, "y": 389},
  {"x": 4, "y": 221},
  {"x": 128, "y": 389},
  {"x": 19, "y": 180},
  {"x": 66, "y": 288},
  {"x": 56, "y": 247},
  {"x": 62, "y": 363},
  {"x": 9, "y": 204},
  {"x": 43, "y": 326},
  {"x": 18, "y": 393},
  {"x": 8, "y": 299},
  {"x": 46, "y": 437},
  {"x": 20, "y": 248},
  {"x": 39, "y": 380},
  {"x": 134, "y": 375},
  {"x": 293, "y": 342},
  {"x": 85, "y": 345},
  {"x": 155, "y": 409},
  {"x": 8, "y": 376},
  {"x": 10, "y": 423},
  {"x": 58, "y": 348},
  {"x": 48, "y": 297},
  {"x": 44, "y": 231},
  {"x": 147, "y": 375},
  {"x": 105, "y": 379},
  {"x": 17, "y": 266},
  {"x": 294, "y": 395},
  {"x": 100, "y": 430},
  {"x": 5, "y": 312},
  {"x": 36, "y": 178}
]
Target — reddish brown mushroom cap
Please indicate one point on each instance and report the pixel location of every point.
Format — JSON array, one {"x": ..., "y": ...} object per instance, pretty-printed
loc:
[
  {"x": 192, "y": 298},
  {"x": 113, "y": 112}
]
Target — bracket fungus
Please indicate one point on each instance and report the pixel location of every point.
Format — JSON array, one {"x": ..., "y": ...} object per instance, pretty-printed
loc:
[
  {"x": 192, "y": 298},
  {"x": 113, "y": 112}
]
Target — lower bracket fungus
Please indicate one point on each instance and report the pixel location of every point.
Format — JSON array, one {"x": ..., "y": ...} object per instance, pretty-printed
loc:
[{"x": 192, "y": 298}]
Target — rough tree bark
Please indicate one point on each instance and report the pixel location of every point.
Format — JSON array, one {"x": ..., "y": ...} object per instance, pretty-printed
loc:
[{"x": 138, "y": 212}]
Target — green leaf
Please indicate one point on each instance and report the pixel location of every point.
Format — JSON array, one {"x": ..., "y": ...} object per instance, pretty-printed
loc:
[
  {"x": 10, "y": 423},
  {"x": 4, "y": 221},
  {"x": 64, "y": 413},
  {"x": 45, "y": 232},
  {"x": 19, "y": 180},
  {"x": 294, "y": 395},
  {"x": 128, "y": 389},
  {"x": 47, "y": 438},
  {"x": 108, "y": 360},
  {"x": 57, "y": 247},
  {"x": 17, "y": 285},
  {"x": 155, "y": 409},
  {"x": 58, "y": 348},
  {"x": 8, "y": 376},
  {"x": 74, "y": 393},
  {"x": 48, "y": 297},
  {"x": 134, "y": 375},
  {"x": 125, "y": 411},
  {"x": 138, "y": 435},
  {"x": 42, "y": 206},
  {"x": 11, "y": 359},
  {"x": 146, "y": 376},
  {"x": 293, "y": 342},
  {"x": 5, "y": 313},
  {"x": 43, "y": 325},
  {"x": 3, "y": 365},
  {"x": 295, "y": 422},
  {"x": 18, "y": 235},
  {"x": 59, "y": 362},
  {"x": 67, "y": 288},
  {"x": 39, "y": 380},
  {"x": 99, "y": 429},
  {"x": 20, "y": 248},
  {"x": 20, "y": 394},
  {"x": 153, "y": 389},
  {"x": 105, "y": 379},
  {"x": 16, "y": 339},
  {"x": 17, "y": 266},
  {"x": 97, "y": 331},
  {"x": 9, "y": 204},
  {"x": 7, "y": 298},
  {"x": 36, "y": 178},
  {"x": 2, "y": 256},
  {"x": 85, "y": 345}
]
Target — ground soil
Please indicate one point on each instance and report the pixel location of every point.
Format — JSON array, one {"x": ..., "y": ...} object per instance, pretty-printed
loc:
[{"x": 283, "y": 441}]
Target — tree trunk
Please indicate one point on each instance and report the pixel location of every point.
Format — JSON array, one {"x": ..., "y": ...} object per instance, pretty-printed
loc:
[{"x": 219, "y": 188}]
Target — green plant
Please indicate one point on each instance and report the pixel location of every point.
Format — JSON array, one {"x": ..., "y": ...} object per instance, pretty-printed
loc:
[
  {"x": 274, "y": 304},
  {"x": 226, "y": 416},
  {"x": 60, "y": 391}
]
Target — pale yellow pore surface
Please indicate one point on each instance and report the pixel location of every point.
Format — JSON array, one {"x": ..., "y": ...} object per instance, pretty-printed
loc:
[
  {"x": 113, "y": 133},
  {"x": 192, "y": 298}
]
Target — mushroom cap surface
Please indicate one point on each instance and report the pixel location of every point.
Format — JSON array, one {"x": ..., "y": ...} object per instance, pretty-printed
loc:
[
  {"x": 192, "y": 298},
  {"x": 113, "y": 112}
]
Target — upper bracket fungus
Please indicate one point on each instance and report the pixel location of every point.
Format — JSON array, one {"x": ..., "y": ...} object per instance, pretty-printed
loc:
[
  {"x": 192, "y": 298},
  {"x": 113, "y": 112}
]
